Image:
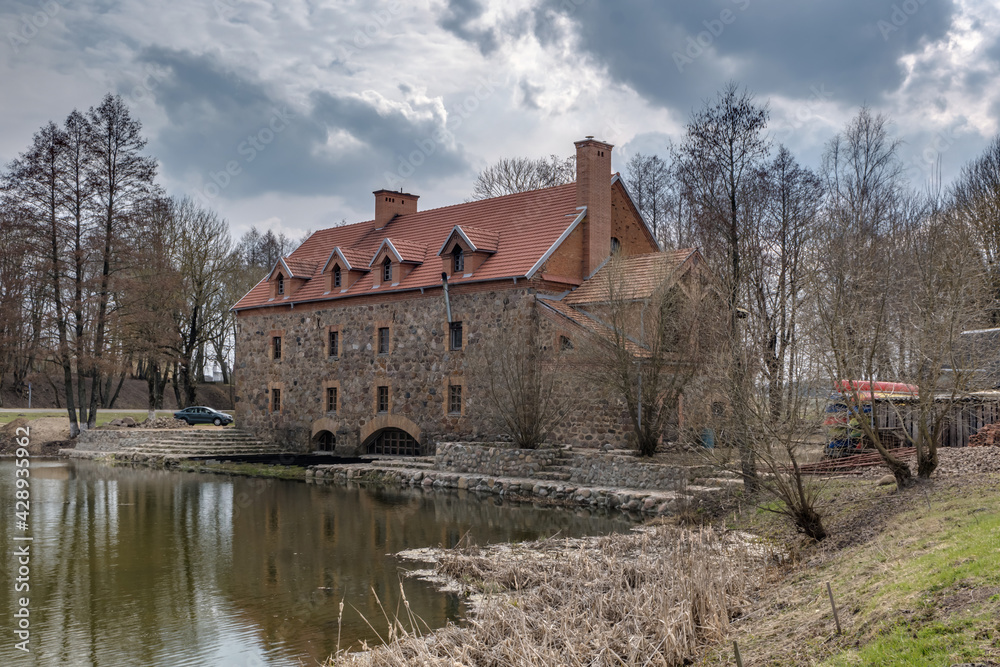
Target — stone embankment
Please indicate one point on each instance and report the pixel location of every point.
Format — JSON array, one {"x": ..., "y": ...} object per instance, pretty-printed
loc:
[{"x": 550, "y": 475}]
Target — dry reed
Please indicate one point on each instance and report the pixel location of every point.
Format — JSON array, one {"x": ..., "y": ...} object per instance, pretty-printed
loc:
[{"x": 651, "y": 597}]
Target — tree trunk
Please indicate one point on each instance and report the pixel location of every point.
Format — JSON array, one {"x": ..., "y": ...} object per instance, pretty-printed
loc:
[{"x": 114, "y": 397}]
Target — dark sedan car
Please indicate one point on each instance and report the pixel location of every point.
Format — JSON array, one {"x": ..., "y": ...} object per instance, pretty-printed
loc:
[{"x": 201, "y": 415}]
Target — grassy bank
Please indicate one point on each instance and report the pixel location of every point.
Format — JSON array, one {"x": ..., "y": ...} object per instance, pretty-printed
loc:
[{"x": 916, "y": 578}]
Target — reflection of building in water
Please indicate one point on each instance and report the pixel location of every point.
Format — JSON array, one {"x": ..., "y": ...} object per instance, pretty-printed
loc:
[
  {"x": 299, "y": 551},
  {"x": 305, "y": 548}
]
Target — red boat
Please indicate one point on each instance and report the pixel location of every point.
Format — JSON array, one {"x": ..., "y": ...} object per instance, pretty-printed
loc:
[{"x": 850, "y": 387}]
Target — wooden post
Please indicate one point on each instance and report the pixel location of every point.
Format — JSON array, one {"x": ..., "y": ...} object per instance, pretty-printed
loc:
[
  {"x": 833, "y": 604},
  {"x": 736, "y": 650}
]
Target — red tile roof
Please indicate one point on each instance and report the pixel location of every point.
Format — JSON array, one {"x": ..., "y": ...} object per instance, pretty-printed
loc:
[
  {"x": 591, "y": 324},
  {"x": 525, "y": 224},
  {"x": 406, "y": 251},
  {"x": 357, "y": 260},
  {"x": 482, "y": 240},
  {"x": 301, "y": 268},
  {"x": 640, "y": 276}
]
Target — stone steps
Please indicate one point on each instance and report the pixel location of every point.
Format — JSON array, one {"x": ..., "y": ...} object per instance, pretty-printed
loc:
[{"x": 183, "y": 444}]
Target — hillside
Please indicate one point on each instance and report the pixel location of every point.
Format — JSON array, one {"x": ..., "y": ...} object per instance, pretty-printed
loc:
[{"x": 133, "y": 396}]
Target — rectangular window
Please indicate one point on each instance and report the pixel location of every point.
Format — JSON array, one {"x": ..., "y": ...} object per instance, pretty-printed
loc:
[
  {"x": 383, "y": 340},
  {"x": 331, "y": 399},
  {"x": 455, "y": 335},
  {"x": 275, "y": 400},
  {"x": 455, "y": 399},
  {"x": 276, "y": 341},
  {"x": 334, "y": 344},
  {"x": 383, "y": 399}
]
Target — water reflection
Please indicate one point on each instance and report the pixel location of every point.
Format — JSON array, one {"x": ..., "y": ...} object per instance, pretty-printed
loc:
[{"x": 140, "y": 566}]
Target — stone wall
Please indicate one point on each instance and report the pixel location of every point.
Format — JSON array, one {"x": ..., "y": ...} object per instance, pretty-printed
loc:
[
  {"x": 624, "y": 471},
  {"x": 498, "y": 461},
  {"x": 108, "y": 440},
  {"x": 418, "y": 371}
]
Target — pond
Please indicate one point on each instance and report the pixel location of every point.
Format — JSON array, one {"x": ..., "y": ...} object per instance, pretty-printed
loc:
[{"x": 137, "y": 566}]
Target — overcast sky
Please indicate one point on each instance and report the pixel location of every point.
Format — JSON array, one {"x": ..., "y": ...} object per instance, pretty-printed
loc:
[{"x": 289, "y": 114}]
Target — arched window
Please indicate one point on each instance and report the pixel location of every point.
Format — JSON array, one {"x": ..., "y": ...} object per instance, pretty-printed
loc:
[
  {"x": 458, "y": 258},
  {"x": 336, "y": 276},
  {"x": 615, "y": 244},
  {"x": 387, "y": 270},
  {"x": 281, "y": 284}
]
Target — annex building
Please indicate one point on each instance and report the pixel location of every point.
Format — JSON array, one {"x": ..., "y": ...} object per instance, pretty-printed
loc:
[{"x": 363, "y": 339}]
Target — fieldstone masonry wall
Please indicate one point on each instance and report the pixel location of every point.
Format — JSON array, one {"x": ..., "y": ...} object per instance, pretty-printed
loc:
[
  {"x": 497, "y": 461},
  {"x": 418, "y": 370},
  {"x": 590, "y": 468},
  {"x": 593, "y": 469}
]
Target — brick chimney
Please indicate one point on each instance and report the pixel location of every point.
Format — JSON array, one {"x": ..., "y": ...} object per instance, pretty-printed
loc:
[
  {"x": 389, "y": 204},
  {"x": 593, "y": 190}
]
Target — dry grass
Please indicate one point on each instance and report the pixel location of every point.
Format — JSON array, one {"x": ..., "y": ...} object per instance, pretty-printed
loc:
[{"x": 652, "y": 597}]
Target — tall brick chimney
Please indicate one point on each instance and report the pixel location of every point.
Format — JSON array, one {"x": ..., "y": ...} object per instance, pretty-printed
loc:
[
  {"x": 389, "y": 204},
  {"x": 593, "y": 190}
]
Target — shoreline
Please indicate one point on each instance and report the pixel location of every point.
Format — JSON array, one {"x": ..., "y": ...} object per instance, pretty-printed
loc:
[{"x": 642, "y": 502}]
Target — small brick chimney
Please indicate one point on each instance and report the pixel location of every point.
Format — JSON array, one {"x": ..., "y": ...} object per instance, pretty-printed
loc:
[
  {"x": 389, "y": 204},
  {"x": 593, "y": 190}
]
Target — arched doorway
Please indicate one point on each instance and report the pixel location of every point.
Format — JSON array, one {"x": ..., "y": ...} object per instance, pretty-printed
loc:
[
  {"x": 325, "y": 441},
  {"x": 393, "y": 442}
]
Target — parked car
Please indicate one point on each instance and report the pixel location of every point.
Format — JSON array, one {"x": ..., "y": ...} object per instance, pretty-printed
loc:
[{"x": 198, "y": 414}]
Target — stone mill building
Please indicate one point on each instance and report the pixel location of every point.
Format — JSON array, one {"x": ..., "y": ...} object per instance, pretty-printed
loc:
[{"x": 363, "y": 339}]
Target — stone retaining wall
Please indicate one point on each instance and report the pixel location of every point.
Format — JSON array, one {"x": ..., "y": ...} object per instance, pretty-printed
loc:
[
  {"x": 487, "y": 460},
  {"x": 596, "y": 469},
  {"x": 625, "y": 500},
  {"x": 107, "y": 440},
  {"x": 590, "y": 468}
]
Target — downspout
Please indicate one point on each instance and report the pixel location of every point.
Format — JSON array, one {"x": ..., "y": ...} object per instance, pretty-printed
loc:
[{"x": 447, "y": 302}]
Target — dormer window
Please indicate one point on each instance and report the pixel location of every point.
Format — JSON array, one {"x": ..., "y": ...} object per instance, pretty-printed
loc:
[
  {"x": 336, "y": 276},
  {"x": 387, "y": 270},
  {"x": 281, "y": 284},
  {"x": 458, "y": 260}
]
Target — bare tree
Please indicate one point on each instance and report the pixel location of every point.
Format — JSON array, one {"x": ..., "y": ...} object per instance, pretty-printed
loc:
[
  {"x": 785, "y": 201},
  {"x": 858, "y": 280},
  {"x": 724, "y": 146},
  {"x": 204, "y": 262},
  {"x": 520, "y": 386},
  {"x": 650, "y": 184},
  {"x": 121, "y": 180},
  {"x": 33, "y": 183},
  {"x": 945, "y": 294},
  {"x": 521, "y": 174},
  {"x": 975, "y": 200},
  {"x": 654, "y": 328}
]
